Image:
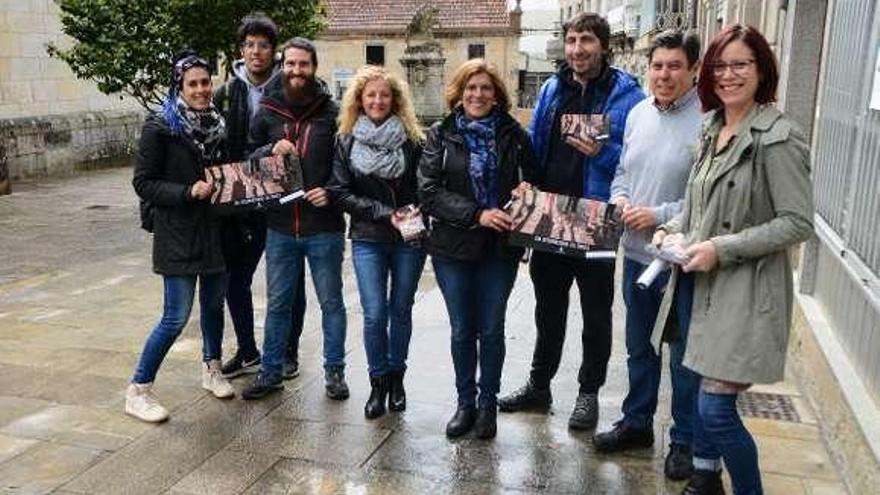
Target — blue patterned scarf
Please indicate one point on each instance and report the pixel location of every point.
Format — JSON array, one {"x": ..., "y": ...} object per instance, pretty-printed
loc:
[{"x": 479, "y": 134}]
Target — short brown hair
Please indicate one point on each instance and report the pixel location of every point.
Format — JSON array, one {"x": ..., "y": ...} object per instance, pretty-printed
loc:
[
  {"x": 765, "y": 61},
  {"x": 467, "y": 70},
  {"x": 592, "y": 22}
]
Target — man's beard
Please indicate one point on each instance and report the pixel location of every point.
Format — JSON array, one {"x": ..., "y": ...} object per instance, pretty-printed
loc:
[
  {"x": 301, "y": 91},
  {"x": 594, "y": 63}
]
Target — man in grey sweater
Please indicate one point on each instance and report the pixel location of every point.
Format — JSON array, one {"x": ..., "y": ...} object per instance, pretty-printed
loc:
[{"x": 659, "y": 145}]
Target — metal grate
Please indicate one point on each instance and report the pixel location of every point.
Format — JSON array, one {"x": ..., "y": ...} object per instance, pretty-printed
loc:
[{"x": 767, "y": 406}]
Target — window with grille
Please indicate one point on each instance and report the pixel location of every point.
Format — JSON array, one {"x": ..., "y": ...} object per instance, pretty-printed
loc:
[{"x": 476, "y": 50}]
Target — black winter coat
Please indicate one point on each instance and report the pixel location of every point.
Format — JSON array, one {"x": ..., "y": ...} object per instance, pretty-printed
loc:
[
  {"x": 370, "y": 200},
  {"x": 313, "y": 134},
  {"x": 447, "y": 196},
  {"x": 186, "y": 234}
]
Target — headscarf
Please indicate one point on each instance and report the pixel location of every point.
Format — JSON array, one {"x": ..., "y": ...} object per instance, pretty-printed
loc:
[{"x": 206, "y": 128}]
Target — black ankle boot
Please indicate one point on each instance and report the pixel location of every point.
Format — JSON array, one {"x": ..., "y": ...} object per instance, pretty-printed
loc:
[
  {"x": 486, "y": 426},
  {"x": 375, "y": 405},
  {"x": 396, "y": 392},
  {"x": 461, "y": 422}
]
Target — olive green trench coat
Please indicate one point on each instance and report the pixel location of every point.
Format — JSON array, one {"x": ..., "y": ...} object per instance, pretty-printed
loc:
[{"x": 759, "y": 204}]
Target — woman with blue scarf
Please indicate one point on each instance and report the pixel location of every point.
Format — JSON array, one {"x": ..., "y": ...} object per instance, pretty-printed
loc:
[
  {"x": 374, "y": 181},
  {"x": 175, "y": 147},
  {"x": 473, "y": 161}
]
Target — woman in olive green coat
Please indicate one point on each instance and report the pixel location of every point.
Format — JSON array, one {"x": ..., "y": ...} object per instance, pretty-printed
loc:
[{"x": 748, "y": 200}]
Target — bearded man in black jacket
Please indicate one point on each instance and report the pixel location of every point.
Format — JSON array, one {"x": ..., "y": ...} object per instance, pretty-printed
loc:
[{"x": 301, "y": 119}]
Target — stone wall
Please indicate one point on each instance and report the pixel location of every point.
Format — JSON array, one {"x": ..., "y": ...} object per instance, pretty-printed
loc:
[
  {"x": 63, "y": 144},
  {"x": 32, "y": 83}
]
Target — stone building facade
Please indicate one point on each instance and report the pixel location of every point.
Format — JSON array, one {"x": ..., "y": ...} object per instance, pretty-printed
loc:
[
  {"x": 50, "y": 122},
  {"x": 374, "y": 31}
]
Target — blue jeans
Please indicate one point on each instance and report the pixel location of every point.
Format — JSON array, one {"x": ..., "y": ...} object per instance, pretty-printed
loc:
[
  {"x": 179, "y": 294},
  {"x": 720, "y": 433},
  {"x": 387, "y": 317},
  {"x": 476, "y": 295},
  {"x": 643, "y": 364},
  {"x": 285, "y": 256}
]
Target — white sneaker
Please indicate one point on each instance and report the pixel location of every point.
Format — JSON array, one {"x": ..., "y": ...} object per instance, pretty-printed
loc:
[
  {"x": 213, "y": 381},
  {"x": 142, "y": 404}
]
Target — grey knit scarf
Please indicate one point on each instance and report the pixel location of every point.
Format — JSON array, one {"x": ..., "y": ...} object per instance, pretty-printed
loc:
[{"x": 378, "y": 150}]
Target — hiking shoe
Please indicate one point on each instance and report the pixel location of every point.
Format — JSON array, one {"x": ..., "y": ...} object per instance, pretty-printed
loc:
[
  {"x": 214, "y": 382},
  {"x": 527, "y": 398},
  {"x": 290, "y": 370},
  {"x": 704, "y": 482},
  {"x": 238, "y": 365},
  {"x": 623, "y": 437},
  {"x": 141, "y": 403},
  {"x": 262, "y": 386},
  {"x": 334, "y": 383},
  {"x": 586, "y": 412},
  {"x": 679, "y": 463}
]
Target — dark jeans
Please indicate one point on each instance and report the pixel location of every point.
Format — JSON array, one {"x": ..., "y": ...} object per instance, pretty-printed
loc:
[
  {"x": 179, "y": 294},
  {"x": 720, "y": 433},
  {"x": 387, "y": 316},
  {"x": 285, "y": 259},
  {"x": 476, "y": 295},
  {"x": 240, "y": 300},
  {"x": 552, "y": 276},
  {"x": 643, "y": 364}
]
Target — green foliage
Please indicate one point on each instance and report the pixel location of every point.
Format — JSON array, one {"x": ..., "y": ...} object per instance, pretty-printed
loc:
[{"x": 127, "y": 46}]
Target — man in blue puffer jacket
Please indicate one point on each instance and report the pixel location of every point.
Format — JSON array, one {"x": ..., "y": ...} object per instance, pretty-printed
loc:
[{"x": 580, "y": 167}]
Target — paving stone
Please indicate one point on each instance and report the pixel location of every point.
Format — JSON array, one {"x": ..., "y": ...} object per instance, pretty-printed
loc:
[
  {"x": 522, "y": 466},
  {"x": 776, "y": 484},
  {"x": 824, "y": 487},
  {"x": 12, "y": 408},
  {"x": 340, "y": 444},
  {"x": 98, "y": 428},
  {"x": 301, "y": 477},
  {"x": 12, "y": 446},
  {"x": 783, "y": 429},
  {"x": 44, "y": 467},
  {"x": 226, "y": 472},
  {"x": 795, "y": 458},
  {"x": 174, "y": 449}
]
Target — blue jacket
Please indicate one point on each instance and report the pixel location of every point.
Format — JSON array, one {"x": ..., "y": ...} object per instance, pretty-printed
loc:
[{"x": 598, "y": 170}]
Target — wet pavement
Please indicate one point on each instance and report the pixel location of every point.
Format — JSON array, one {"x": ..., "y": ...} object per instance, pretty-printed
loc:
[{"x": 77, "y": 299}]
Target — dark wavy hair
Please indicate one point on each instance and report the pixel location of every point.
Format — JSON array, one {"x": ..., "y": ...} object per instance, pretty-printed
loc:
[
  {"x": 765, "y": 61},
  {"x": 258, "y": 24}
]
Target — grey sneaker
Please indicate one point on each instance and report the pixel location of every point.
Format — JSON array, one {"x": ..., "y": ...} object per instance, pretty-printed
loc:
[
  {"x": 334, "y": 383},
  {"x": 586, "y": 412},
  {"x": 290, "y": 370}
]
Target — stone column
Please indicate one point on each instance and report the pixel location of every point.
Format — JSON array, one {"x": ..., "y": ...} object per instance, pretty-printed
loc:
[{"x": 424, "y": 66}]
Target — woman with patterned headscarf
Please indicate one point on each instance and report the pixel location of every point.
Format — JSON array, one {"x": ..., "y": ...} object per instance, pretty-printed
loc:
[{"x": 175, "y": 147}]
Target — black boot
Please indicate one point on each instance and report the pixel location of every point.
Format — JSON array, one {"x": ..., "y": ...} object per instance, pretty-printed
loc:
[
  {"x": 396, "y": 393},
  {"x": 487, "y": 423},
  {"x": 461, "y": 422},
  {"x": 375, "y": 406}
]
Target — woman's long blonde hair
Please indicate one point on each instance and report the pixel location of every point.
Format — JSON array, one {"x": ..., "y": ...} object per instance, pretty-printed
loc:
[{"x": 401, "y": 103}]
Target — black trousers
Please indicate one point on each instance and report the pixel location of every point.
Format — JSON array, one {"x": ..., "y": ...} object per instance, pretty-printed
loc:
[{"x": 552, "y": 276}]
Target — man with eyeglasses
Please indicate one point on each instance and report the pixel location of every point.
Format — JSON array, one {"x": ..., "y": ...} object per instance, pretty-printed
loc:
[
  {"x": 254, "y": 75},
  {"x": 659, "y": 144}
]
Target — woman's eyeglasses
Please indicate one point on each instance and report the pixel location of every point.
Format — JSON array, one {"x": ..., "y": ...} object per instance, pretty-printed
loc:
[{"x": 737, "y": 67}]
